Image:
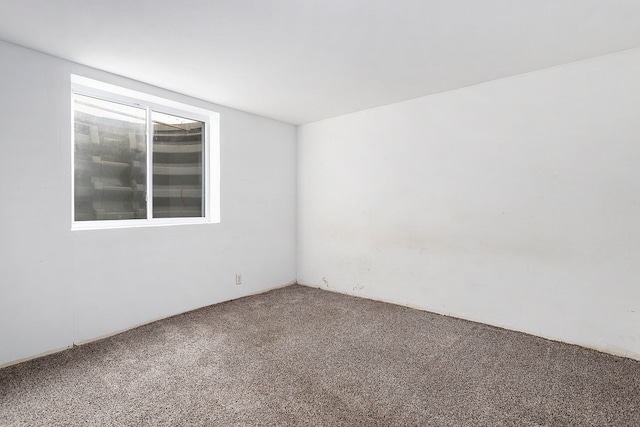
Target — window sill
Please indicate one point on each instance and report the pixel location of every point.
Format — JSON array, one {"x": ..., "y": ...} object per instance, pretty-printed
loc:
[{"x": 138, "y": 223}]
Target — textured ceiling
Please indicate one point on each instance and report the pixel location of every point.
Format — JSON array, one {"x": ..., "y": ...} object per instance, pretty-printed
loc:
[{"x": 304, "y": 60}]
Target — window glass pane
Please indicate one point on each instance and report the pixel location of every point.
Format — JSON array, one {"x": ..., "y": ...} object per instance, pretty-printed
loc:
[
  {"x": 109, "y": 160},
  {"x": 177, "y": 166}
]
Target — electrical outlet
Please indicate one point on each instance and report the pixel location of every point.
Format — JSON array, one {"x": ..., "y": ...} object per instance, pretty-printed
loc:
[{"x": 239, "y": 279}]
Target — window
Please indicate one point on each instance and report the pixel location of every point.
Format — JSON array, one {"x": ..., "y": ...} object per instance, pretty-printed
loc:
[{"x": 141, "y": 161}]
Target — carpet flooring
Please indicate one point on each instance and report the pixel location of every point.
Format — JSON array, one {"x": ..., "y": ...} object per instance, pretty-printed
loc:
[{"x": 299, "y": 356}]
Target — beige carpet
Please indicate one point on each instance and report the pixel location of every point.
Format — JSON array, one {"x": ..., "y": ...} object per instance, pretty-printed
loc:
[{"x": 302, "y": 356}]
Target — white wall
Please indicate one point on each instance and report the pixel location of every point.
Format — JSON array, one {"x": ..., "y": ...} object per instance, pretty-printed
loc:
[
  {"x": 58, "y": 287},
  {"x": 515, "y": 203}
]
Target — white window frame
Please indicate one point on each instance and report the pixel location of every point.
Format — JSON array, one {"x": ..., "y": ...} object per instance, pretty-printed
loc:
[{"x": 211, "y": 152}]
